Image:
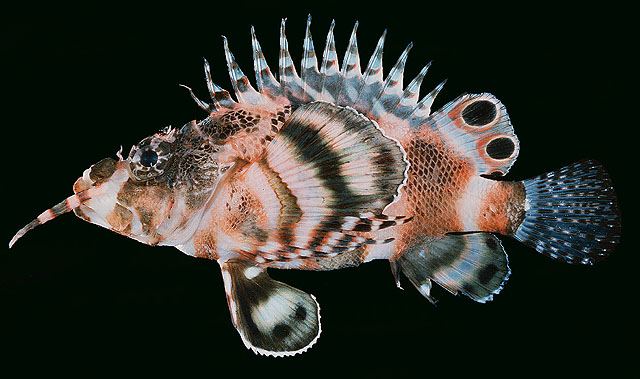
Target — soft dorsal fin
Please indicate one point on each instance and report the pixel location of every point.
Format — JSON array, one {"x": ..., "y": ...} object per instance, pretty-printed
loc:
[{"x": 478, "y": 127}]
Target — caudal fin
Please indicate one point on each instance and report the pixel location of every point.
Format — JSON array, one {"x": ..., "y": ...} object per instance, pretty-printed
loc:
[{"x": 571, "y": 214}]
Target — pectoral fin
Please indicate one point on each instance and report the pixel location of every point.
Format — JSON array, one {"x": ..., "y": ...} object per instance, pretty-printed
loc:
[{"x": 273, "y": 318}]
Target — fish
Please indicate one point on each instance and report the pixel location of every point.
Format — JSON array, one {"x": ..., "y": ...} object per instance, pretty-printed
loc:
[{"x": 332, "y": 166}]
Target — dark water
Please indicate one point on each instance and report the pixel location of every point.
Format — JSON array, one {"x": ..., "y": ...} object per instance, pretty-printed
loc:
[{"x": 80, "y": 82}]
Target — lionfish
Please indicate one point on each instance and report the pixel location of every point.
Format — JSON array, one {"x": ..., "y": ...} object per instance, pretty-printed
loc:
[{"x": 331, "y": 168}]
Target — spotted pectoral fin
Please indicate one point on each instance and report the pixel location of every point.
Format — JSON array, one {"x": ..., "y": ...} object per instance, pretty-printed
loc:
[
  {"x": 333, "y": 171},
  {"x": 273, "y": 318},
  {"x": 472, "y": 264},
  {"x": 477, "y": 127}
]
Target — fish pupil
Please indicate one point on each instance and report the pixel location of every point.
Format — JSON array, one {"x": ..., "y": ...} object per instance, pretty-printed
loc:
[{"x": 148, "y": 158}]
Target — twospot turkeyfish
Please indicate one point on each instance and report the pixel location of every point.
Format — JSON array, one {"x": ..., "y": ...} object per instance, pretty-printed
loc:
[{"x": 333, "y": 167}]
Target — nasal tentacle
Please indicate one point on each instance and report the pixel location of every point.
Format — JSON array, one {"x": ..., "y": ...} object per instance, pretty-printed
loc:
[{"x": 67, "y": 205}]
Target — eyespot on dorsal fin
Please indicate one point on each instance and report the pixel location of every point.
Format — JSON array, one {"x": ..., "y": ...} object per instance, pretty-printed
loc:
[{"x": 478, "y": 127}]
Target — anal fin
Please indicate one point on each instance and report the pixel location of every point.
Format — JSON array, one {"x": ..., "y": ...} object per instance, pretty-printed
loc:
[
  {"x": 273, "y": 318},
  {"x": 472, "y": 264}
]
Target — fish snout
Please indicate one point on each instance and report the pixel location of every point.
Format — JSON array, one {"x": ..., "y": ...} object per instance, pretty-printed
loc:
[
  {"x": 106, "y": 177},
  {"x": 94, "y": 199}
]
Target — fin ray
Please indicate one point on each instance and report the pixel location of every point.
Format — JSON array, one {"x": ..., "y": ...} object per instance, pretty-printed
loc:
[
  {"x": 472, "y": 264},
  {"x": 571, "y": 214},
  {"x": 273, "y": 318},
  {"x": 478, "y": 127}
]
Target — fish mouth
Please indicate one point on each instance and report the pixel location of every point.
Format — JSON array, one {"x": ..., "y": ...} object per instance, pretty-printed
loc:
[{"x": 94, "y": 195}]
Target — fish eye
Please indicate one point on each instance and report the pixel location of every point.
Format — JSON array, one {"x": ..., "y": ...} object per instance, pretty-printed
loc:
[{"x": 148, "y": 158}]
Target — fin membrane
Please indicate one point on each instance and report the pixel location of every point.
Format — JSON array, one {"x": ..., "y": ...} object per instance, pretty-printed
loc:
[
  {"x": 472, "y": 264},
  {"x": 478, "y": 127},
  {"x": 273, "y": 318},
  {"x": 571, "y": 214},
  {"x": 335, "y": 172}
]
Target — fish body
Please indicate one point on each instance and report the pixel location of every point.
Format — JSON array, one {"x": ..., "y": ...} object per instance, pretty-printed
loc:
[{"x": 333, "y": 167}]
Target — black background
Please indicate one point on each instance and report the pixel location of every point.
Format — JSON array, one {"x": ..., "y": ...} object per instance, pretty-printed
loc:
[{"x": 80, "y": 82}]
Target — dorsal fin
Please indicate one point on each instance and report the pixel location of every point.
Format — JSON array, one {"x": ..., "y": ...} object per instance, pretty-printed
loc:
[
  {"x": 202, "y": 104},
  {"x": 372, "y": 79},
  {"x": 288, "y": 76},
  {"x": 219, "y": 96},
  {"x": 411, "y": 94},
  {"x": 351, "y": 71},
  {"x": 478, "y": 127},
  {"x": 422, "y": 110},
  {"x": 245, "y": 93},
  {"x": 380, "y": 98},
  {"x": 373, "y": 73},
  {"x": 330, "y": 69},
  {"x": 311, "y": 80},
  {"x": 392, "y": 87},
  {"x": 265, "y": 80}
]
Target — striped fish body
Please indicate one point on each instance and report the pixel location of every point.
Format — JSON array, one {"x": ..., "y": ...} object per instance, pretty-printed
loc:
[{"x": 332, "y": 166}]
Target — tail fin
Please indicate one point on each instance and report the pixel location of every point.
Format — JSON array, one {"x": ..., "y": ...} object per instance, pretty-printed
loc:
[{"x": 571, "y": 214}]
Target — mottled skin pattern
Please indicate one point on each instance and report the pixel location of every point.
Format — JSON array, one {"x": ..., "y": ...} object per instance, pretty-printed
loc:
[{"x": 437, "y": 179}]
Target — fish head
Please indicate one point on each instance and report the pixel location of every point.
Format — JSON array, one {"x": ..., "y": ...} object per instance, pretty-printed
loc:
[{"x": 156, "y": 195}]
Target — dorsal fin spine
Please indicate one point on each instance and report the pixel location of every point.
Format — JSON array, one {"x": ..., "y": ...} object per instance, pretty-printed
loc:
[
  {"x": 373, "y": 73},
  {"x": 329, "y": 56},
  {"x": 211, "y": 85},
  {"x": 412, "y": 91},
  {"x": 422, "y": 110},
  {"x": 245, "y": 93},
  {"x": 330, "y": 69},
  {"x": 389, "y": 95},
  {"x": 351, "y": 71},
  {"x": 202, "y": 104},
  {"x": 309, "y": 67},
  {"x": 285, "y": 62},
  {"x": 264, "y": 78},
  {"x": 351, "y": 62}
]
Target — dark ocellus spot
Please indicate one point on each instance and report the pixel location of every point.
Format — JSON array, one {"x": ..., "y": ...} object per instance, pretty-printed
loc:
[
  {"x": 281, "y": 331},
  {"x": 301, "y": 313},
  {"x": 491, "y": 243},
  {"x": 102, "y": 170},
  {"x": 487, "y": 273},
  {"x": 500, "y": 148},
  {"x": 479, "y": 113}
]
